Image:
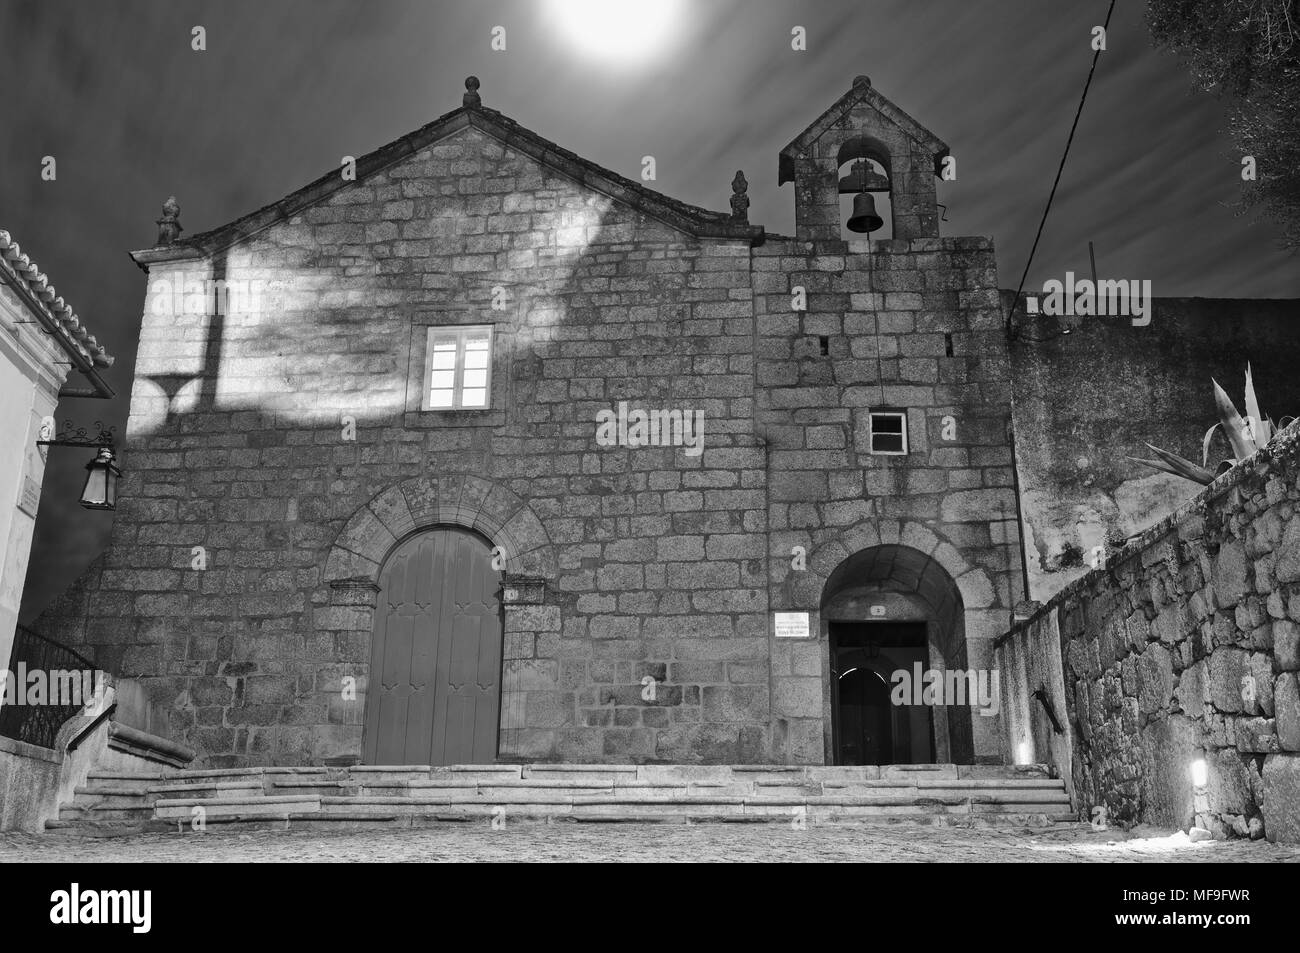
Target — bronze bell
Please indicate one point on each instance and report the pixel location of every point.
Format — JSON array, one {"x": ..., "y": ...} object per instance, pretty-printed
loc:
[{"x": 864, "y": 217}]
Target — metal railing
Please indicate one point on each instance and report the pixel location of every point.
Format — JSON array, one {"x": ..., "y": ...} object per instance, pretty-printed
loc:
[{"x": 64, "y": 682}]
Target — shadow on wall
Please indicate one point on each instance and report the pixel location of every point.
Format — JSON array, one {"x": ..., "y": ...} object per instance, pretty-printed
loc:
[{"x": 238, "y": 459}]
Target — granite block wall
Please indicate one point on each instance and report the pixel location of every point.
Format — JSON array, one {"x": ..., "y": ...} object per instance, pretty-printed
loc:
[
  {"x": 1184, "y": 649},
  {"x": 905, "y": 324}
]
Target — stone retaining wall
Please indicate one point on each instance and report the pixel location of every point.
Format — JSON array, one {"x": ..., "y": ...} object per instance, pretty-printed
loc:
[{"x": 1185, "y": 647}]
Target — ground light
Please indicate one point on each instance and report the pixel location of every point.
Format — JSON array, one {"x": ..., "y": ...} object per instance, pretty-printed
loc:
[{"x": 1200, "y": 774}]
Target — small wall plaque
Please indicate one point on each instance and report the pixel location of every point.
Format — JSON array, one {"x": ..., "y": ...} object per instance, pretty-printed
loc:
[
  {"x": 31, "y": 498},
  {"x": 791, "y": 625}
]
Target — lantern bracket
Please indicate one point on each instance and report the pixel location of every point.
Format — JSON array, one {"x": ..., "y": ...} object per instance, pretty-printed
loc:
[{"x": 70, "y": 435}]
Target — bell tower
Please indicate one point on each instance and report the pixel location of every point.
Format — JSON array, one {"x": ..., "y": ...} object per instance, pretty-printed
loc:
[
  {"x": 884, "y": 403},
  {"x": 863, "y": 125}
]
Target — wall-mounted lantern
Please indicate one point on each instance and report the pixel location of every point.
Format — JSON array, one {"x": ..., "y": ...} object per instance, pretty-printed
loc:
[{"x": 100, "y": 491}]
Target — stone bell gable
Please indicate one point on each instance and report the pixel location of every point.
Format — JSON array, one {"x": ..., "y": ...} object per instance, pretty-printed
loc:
[{"x": 863, "y": 124}]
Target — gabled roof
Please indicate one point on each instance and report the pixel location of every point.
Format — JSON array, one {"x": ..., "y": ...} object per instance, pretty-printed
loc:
[
  {"x": 687, "y": 218},
  {"x": 861, "y": 92},
  {"x": 50, "y": 308}
]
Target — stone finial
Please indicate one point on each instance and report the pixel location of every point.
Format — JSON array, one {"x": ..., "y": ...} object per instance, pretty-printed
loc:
[
  {"x": 862, "y": 81},
  {"x": 472, "y": 100},
  {"x": 739, "y": 199},
  {"x": 169, "y": 226}
]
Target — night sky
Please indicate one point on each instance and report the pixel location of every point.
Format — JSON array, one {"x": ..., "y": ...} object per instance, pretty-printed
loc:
[{"x": 132, "y": 114}]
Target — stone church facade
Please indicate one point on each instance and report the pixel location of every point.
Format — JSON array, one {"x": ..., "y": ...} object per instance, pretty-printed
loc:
[{"x": 368, "y": 513}]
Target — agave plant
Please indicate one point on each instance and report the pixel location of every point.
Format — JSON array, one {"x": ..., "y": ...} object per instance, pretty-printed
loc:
[{"x": 1245, "y": 435}]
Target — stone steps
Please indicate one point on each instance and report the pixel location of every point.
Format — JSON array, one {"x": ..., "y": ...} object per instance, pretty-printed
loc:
[
  {"x": 407, "y": 795},
  {"x": 106, "y": 814},
  {"x": 502, "y": 791}
]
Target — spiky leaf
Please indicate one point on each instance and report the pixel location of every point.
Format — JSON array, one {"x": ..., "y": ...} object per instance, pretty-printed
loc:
[
  {"x": 1178, "y": 466},
  {"x": 1263, "y": 429},
  {"x": 1205, "y": 445},
  {"x": 1233, "y": 425},
  {"x": 1175, "y": 471}
]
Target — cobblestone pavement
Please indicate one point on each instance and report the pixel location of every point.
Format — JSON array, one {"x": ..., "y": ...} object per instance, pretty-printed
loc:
[{"x": 645, "y": 842}]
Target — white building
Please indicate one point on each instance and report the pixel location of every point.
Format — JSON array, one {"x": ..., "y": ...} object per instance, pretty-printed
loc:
[{"x": 41, "y": 342}]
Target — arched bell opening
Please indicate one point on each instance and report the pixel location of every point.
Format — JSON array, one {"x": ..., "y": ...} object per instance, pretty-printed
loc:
[
  {"x": 894, "y": 612},
  {"x": 865, "y": 189}
]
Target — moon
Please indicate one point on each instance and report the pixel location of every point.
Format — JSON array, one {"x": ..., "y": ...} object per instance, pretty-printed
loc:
[{"x": 622, "y": 32}]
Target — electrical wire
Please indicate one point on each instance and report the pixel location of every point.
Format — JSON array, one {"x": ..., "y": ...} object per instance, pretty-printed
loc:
[{"x": 1059, "y": 170}]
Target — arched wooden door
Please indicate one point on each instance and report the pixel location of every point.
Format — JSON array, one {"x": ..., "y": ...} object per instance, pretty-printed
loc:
[{"x": 435, "y": 660}]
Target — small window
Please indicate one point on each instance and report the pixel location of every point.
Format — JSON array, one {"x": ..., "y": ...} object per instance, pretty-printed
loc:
[
  {"x": 889, "y": 431},
  {"x": 458, "y": 368}
]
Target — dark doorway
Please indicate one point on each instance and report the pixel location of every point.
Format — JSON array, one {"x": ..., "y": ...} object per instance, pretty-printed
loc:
[
  {"x": 865, "y": 721},
  {"x": 867, "y": 727}
]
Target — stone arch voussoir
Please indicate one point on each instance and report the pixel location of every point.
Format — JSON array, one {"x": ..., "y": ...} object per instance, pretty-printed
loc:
[
  {"x": 866, "y": 534},
  {"x": 371, "y": 533}
]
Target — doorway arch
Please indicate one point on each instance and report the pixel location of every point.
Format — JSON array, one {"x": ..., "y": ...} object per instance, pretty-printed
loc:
[
  {"x": 434, "y": 695},
  {"x": 895, "y": 609}
]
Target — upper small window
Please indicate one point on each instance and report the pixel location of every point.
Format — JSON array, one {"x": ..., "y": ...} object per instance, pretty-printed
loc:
[
  {"x": 889, "y": 432},
  {"x": 458, "y": 368}
]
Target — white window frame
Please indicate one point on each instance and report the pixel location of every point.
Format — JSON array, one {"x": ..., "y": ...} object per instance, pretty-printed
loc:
[
  {"x": 459, "y": 334},
  {"x": 871, "y": 432}
]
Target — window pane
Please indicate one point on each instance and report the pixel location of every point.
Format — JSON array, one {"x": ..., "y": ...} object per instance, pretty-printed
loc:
[
  {"x": 459, "y": 368},
  {"x": 444, "y": 356},
  {"x": 887, "y": 443},
  {"x": 886, "y": 423}
]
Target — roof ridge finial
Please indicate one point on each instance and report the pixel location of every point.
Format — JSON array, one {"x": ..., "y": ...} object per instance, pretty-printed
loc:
[
  {"x": 471, "y": 99},
  {"x": 169, "y": 226},
  {"x": 740, "y": 198}
]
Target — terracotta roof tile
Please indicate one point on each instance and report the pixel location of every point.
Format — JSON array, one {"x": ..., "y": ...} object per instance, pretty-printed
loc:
[{"x": 76, "y": 339}]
